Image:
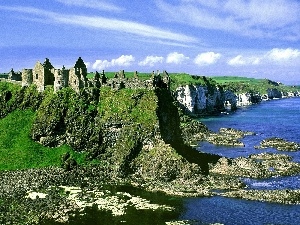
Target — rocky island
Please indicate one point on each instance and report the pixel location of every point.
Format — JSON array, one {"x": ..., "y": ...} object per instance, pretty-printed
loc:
[{"x": 70, "y": 138}]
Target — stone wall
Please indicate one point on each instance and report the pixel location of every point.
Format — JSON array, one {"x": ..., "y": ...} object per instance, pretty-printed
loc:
[
  {"x": 27, "y": 77},
  {"x": 43, "y": 74},
  {"x": 12, "y": 75}
]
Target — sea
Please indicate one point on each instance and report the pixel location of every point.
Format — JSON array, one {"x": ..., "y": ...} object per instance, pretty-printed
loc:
[{"x": 275, "y": 118}]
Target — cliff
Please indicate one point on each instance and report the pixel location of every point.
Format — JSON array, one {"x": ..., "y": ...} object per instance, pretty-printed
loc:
[
  {"x": 131, "y": 133},
  {"x": 215, "y": 96},
  {"x": 197, "y": 99}
]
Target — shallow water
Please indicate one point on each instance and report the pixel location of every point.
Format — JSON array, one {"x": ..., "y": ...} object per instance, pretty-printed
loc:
[{"x": 277, "y": 118}]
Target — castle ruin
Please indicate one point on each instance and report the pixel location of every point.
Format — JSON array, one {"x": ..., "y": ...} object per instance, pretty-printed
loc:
[{"x": 45, "y": 74}]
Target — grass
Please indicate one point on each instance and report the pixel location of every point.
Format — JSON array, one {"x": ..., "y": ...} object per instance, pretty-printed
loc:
[
  {"x": 18, "y": 151},
  {"x": 137, "y": 108},
  {"x": 251, "y": 85},
  {"x": 128, "y": 105},
  {"x": 233, "y": 79}
]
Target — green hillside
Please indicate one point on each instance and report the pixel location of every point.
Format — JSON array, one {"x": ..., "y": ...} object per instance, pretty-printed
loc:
[{"x": 19, "y": 151}]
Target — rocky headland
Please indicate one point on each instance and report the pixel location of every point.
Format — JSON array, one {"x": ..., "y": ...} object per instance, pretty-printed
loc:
[{"x": 136, "y": 137}]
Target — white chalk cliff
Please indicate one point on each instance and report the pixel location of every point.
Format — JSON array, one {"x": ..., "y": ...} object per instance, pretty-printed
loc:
[{"x": 198, "y": 99}]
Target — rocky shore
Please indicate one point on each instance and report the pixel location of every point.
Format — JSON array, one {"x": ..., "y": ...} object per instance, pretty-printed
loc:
[
  {"x": 279, "y": 144},
  {"x": 276, "y": 196},
  {"x": 228, "y": 137},
  {"x": 53, "y": 194},
  {"x": 140, "y": 139},
  {"x": 262, "y": 165}
]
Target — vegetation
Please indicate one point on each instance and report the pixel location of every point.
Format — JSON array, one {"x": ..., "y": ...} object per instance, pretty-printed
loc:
[
  {"x": 251, "y": 85},
  {"x": 136, "y": 116},
  {"x": 19, "y": 151},
  {"x": 128, "y": 106},
  {"x": 179, "y": 79}
]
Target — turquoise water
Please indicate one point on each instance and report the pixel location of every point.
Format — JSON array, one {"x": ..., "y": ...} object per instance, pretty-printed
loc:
[{"x": 277, "y": 118}]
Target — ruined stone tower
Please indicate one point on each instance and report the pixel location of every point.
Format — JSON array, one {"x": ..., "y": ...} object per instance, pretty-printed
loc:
[
  {"x": 43, "y": 74},
  {"x": 27, "y": 77},
  {"x": 77, "y": 75},
  {"x": 61, "y": 78}
]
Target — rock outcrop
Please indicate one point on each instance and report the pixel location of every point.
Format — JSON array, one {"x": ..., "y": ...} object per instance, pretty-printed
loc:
[
  {"x": 196, "y": 99},
  {"x": 274, "y": 93},
  {"x": 279, "y": 144},
  {"x": 228, "y": 137},
  {"x": 256, "y": 166}
]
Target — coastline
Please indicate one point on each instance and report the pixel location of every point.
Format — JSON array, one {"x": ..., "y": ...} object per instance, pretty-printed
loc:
[{"x": 175, "y": 175}]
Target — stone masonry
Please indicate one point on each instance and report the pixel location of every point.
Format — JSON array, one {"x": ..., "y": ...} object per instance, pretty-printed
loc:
[{"x": 45, "y": 74}]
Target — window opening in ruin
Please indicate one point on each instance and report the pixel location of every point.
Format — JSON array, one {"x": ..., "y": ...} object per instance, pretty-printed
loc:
[{"x": 36, "y": 76}]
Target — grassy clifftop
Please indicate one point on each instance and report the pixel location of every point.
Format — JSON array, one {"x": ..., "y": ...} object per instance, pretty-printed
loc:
[{"x": 251, "y": 85}]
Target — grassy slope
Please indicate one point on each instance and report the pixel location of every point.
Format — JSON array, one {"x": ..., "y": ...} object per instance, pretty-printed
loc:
[
  {"x": 128, "y": 105},
  {"x": 18, "y": 151}
]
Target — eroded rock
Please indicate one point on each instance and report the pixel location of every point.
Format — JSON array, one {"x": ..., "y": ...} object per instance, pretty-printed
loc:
[
  {"x": 279, "y": 144},
  {"x": 278, "y": 196},
  {"x": 228, "y": 137},
  {"x": 256, "y": 166}
]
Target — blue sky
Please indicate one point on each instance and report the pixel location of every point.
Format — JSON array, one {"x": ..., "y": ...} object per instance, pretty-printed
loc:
[{"x": 252, "y": 38}]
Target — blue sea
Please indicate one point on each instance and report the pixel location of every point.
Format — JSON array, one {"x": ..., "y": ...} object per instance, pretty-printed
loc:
[{"x": 276, "y": 118}]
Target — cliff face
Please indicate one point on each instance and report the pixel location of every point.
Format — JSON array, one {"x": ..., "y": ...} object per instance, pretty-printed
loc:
[
  {"x": 245, "y": 99},
  {"x": 198, "y": 99},
  {"x": 274, "y": 93}
]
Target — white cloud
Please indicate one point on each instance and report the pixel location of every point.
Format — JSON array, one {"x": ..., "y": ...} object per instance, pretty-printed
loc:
[
  {"x": 277, "y": 54},
  {"x": 102, "y": 23},
  {"x": 255, "y": 18},
  {"x": 176, "y": 58},
  {"x": 236, "y": 61},
  {"x": 274, "y": 55},
  {"x": 242, "y": 60},
  {"x": 256, "y": 60},
  {"x": 94, "y": 4},
  {"x": 207, "y": 58},
  {"x": 122, "y": 61},
  {"x": 151, "y": 60},
  {"x": 88, "y": 64}
]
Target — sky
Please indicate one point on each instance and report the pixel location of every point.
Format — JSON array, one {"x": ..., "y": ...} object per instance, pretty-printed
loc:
[{"x": 252, "y": 38}]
